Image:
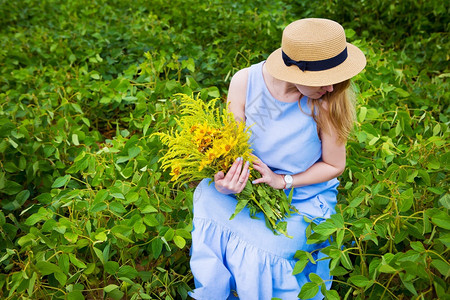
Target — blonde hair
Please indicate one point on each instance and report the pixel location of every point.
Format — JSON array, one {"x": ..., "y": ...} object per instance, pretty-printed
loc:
[{"x": 337, "y": 113}]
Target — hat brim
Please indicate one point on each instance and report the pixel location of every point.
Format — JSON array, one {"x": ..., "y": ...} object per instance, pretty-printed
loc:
[{"x": 355, "y": 63}]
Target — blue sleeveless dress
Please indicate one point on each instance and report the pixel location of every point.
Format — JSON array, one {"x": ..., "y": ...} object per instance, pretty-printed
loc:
[{"x": 242, "y": 258}]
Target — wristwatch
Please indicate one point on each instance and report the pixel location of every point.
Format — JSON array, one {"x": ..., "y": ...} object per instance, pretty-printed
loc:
[{"x": 288, "y": 181}]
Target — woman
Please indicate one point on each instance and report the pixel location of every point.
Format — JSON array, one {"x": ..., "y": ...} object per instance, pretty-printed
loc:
[{"x": 298, "y": 105}]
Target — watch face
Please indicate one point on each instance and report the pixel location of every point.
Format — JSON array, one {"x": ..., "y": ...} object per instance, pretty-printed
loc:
[{"x": 288, "y": 179}]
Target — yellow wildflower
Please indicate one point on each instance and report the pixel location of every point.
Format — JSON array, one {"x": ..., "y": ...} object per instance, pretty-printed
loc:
[
  {"x": 176, "y": 171},
  {"x": 202, "y": 165},
  {"x": 228, "y": 144}
]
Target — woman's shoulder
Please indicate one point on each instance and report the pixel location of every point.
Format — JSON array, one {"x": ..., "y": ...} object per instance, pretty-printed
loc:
[
  {"x": 238, "y": 84},
  {"x": 240, "y": 76},
  {"x": 237, "y": 93}
]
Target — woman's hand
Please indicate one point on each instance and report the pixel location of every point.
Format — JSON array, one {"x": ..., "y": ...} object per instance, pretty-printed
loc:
[
  {"x": 267, "y": 175},
  {"x": 235, "y": 179}
]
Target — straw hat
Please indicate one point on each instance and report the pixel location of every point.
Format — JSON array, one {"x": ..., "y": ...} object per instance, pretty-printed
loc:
[{"x": 314, "y": 52}]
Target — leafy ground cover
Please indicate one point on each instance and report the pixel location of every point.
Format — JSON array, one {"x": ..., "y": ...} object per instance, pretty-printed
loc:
[{"x": 86, "y": 211}]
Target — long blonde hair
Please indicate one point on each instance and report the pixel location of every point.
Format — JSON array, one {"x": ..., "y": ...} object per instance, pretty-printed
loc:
[{"x": 338, "y": 113}]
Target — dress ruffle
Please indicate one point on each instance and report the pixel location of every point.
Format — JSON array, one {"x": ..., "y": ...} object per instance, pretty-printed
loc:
[{"x": 223, "y": 258}]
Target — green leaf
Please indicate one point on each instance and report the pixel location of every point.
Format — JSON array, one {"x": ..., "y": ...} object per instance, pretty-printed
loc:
[
  {"x": 408, "y": 284},
  {"x": 31, "y": 284},
  {"x": 407, "y": 198},
  {"x": 171, "y": 84},
  {"x": 127, "y": 272},
  {"x": 315, "y": 278},
  {"x": 157, "y": 245},
  {"x": 123, "y": 237},
  {"x": 346, "y": 262},
  {"x": 132, "y": 197},
  {"x": 179, "y": 241},
  {"x": 61, "y": 181},
  {"x": 150, "y": 220},
  {"x": 418, "y": 246},
  {"x": 116, "y": 294},
  {"x": 101, "y": 236},
  {"x": 445, "y": 201},
  {"x": 71, "y": 237},
  {"x": 325, "y": 228},
  {"x": 332, "y": 295},
  {"x": 112, "y": 267},
  {"x": 425, "y": 176},
  {"x": 61, "y": 277},
  {"x": 340, "y": 236},
  {"x": 442, "y": 267},
  {"x": 75, "y": 140},
  {"x": 34, "y": 218},
  {"x": 213, "y": 92},
  {"x": 63, "y": 263},
  {"x": 436, "y": 129},
  {"x": 436, "y": 189},
  {"x": 117, "y": 207},
  {"x": 300, "y": 266},
  {"x": 44, "y": 198},
  {"x": 133, "y": 152},
  {"x": 139, "y": 227},
  {"x": 76, "y": 262},
  {"x": 169, "y": 234},
  {"x": 386, "y": 269},
  {"x": 362, "y": 114},
  {"x": 20, "y": 199},
  {"x": 47, "y": 268},
  {"x": 402, "y": 93},
  {"x": 337, "y": 220},
  {"x": 360, "y": 281},
  {"x": 148, "y": 209},
  {"x": 75, "y": 295},
  {"x": 339, "y": 271},
  {"x": 183, "y": 233},
  {"x": 99, "y": 254},
  {"x": 110, "y": 288},
  {"x": 239, "y": 207},
  {"x": 309, "y": 290},
  {"x": 441, "y": 219},
  {"x": 100, "y": 196},
  {"x": 98, "y": 207}
]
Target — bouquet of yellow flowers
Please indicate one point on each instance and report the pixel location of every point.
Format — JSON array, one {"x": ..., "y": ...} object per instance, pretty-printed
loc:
[{"x": 207, "y": 140}]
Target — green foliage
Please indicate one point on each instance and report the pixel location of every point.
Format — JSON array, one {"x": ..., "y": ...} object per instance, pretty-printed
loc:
[{"x": 86, "y": 211}]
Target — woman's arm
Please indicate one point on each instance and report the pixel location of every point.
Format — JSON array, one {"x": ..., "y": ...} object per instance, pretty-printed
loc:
[
  {"x": 237, "y": 94},
  {"x": 331, "y": 166}
]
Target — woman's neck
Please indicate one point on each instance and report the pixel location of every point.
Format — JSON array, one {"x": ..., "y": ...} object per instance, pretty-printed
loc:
[{"x": 281, "y": 90}]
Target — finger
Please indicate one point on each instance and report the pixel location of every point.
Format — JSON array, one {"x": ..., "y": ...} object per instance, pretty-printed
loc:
[
  {"x": 259, "y": 180},
  {"x": 219, "y": 176},
  {"x": 255, "y": 158},
  {"x": 261, "y": 169},
  {"x": 237, "y": 174},
  {"x": 260, "y": 164},
  {"x": 232, "y": 170},
  {"x": 243, "y": 184},
  {"x": 256, "y": 162},
  {"x": 235, "y": 170},
  {"x": 244, "y": 174}
]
